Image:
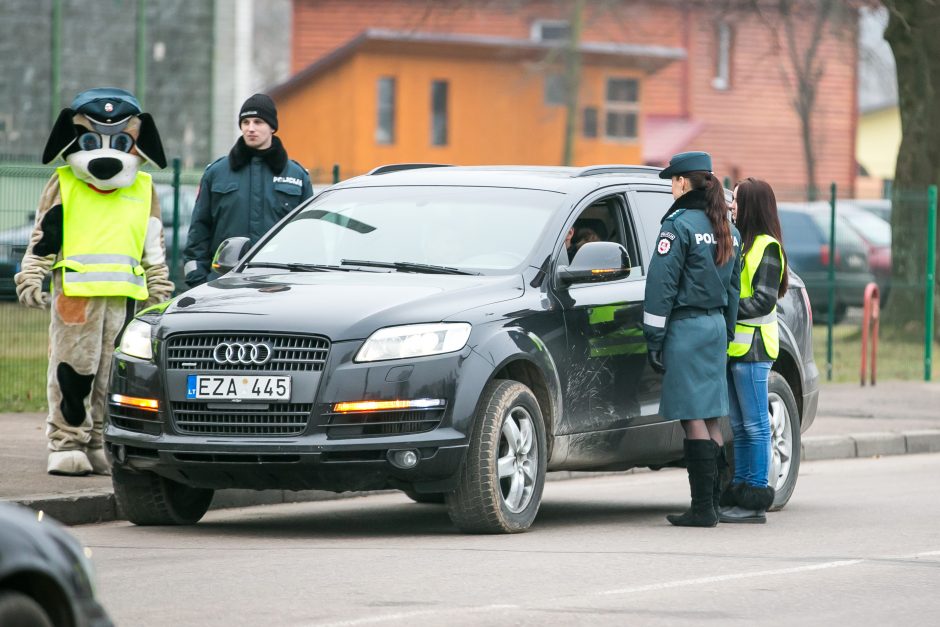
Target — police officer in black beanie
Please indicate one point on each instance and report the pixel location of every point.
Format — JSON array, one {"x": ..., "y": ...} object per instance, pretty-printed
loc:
[{"x": 245, "y": 193}]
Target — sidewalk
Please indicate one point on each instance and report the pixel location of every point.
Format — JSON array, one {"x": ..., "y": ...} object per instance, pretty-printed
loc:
[{"x": 892, "y": 418}]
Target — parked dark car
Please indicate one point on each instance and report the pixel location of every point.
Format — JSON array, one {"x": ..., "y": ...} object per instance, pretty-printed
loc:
[
  {"x": 12, "y": 246},
  {"x": 875, "y": 232},
  {"x": 881, "y": 207},
  {"x": 806, "y": 240},
  {"x": 421, "y": 329},
  {"x": 45, "y": 576}
]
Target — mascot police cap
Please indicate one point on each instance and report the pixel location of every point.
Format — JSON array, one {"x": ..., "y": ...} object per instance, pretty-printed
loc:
[
  {"x": 107, "y": 111},
  {"x": 685, "y": 162},
  {"x": 106, "y": 105}
]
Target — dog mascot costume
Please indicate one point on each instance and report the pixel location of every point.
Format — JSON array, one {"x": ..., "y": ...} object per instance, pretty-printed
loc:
[{"x": 98, "y": 231}]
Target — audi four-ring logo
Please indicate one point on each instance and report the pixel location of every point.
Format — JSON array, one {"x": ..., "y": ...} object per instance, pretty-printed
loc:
[{"x": 242, "y": 353}]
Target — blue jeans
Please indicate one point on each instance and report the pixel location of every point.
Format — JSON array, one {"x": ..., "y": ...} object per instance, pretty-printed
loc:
[{"x": 750, "y": 421}]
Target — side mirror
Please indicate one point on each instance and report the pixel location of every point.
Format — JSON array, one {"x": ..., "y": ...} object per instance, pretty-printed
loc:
[
  {"x": 596, "y": 262},
  {"x": 228, "y": 254}
]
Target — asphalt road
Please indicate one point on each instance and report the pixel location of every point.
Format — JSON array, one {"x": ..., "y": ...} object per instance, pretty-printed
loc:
[{"x": 859, "y": 544}]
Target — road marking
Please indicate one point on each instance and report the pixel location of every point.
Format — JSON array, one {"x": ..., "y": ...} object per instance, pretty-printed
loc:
[
  {"x": 406, "y": 615},
  {"x": 719, "y": 578}
]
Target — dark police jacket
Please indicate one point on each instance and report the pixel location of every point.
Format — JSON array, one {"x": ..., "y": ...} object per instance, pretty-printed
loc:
[
  {"x": 241, "y": 195},
  {"x": 683, "y": 275}
]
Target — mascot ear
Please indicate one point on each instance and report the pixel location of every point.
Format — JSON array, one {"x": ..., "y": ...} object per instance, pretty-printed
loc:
[
  {"x": 148, "y": 141},
  {"x": 63, "y": 134}
]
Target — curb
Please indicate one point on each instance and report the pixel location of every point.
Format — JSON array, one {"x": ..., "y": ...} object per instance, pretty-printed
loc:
[
  {"x": 871, "y": 444},
  {"x": 99, "y": 505}
]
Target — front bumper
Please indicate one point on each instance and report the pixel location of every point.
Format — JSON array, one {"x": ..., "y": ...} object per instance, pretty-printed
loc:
[{"x": 319, "y": 455}]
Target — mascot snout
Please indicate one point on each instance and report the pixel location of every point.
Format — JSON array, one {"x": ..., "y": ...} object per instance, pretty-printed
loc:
[{"x": 104, "y": 168}]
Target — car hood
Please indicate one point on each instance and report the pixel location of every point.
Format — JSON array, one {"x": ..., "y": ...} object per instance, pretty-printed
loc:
[{"x": 339, "y": 305}]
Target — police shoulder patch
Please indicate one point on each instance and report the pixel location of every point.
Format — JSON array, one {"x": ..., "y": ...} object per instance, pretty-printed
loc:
[{"x": 664, "y": 246}]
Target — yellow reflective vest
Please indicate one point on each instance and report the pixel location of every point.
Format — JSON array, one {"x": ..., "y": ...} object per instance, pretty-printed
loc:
[
  {"x": 103, "y": 237},
  {"x": 744, "y": 329}
]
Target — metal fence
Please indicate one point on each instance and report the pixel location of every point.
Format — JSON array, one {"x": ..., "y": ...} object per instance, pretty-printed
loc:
[
  {"x": 836, "y": 297},
  {"x": 24, "y": 332}
]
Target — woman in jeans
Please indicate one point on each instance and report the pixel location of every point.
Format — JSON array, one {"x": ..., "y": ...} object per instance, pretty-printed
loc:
[{"x": 752, "y": 352}]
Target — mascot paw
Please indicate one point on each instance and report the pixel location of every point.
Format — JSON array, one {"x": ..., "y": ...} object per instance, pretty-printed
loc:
[
  {"x": 70, "y": 463},
  {"x": 32, "y": 295},
  {"x": 99, "y": 461}
]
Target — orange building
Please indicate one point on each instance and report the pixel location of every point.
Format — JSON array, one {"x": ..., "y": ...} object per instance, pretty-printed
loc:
[
  {"x": 685, "y": 77},
  {"x": 389, "y": 96}
]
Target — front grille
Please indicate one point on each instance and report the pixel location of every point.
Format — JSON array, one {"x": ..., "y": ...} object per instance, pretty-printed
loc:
[
  {"x": 277, "y": 419},
  {"x": 354, "y": 425},
  {"x": 292, "y": 353},
  {"x": 135, "y": 419}
]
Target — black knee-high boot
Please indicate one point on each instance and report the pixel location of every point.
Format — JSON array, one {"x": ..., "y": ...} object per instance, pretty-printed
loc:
[{"x": 700, "y": 461}]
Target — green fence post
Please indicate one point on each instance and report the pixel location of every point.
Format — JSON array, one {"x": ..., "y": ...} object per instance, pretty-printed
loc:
[
  {"x": 175, "y": 250},
  {"x": 831, "y": 318},
  {"x": 335, "y": 173},
  {"x": 931, "y": 265},
  {"x": 727, "y": 182},
  {"x": 56, "y": 56},
  {"x": 140, "y": 69}
]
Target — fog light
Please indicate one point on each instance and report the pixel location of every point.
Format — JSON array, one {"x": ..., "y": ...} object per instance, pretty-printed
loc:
[{"x": 403, "y": 459}]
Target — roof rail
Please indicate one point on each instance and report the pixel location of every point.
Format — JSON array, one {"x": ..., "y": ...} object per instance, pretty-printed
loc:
[
  {"x": 595, "y": 170},
  {"x": 398, "y": 167}
]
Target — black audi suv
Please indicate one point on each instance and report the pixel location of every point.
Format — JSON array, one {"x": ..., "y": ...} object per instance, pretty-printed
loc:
[{"x": 427, "y": 329}]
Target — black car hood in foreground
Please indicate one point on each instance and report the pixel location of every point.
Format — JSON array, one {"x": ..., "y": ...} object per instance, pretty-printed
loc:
[{"x": 339, "y": 305}]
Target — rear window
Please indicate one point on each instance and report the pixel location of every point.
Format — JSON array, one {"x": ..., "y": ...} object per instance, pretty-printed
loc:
[
  {"x": 875, "y": 230},
  {"x": 846, "y": 237}
]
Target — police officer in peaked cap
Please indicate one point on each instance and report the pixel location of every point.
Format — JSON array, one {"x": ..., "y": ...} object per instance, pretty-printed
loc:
[{"x": 689, "y": 315}]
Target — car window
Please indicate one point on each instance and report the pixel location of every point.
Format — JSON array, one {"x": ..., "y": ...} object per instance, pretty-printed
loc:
[
  {"x": 482, "y": 229},
  {"x": 650, "y": 209},
  {"x": 846, "y": 237},
  {"x": 604, "y": 221},
  {"x": 875, "y": 230},
  {"x": 799, "y": 229}
]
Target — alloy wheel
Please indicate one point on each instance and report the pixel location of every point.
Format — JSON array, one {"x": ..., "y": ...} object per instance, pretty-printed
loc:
[
  {"x": 781, "y": 442},
  {"x": 517, "y": 463}
]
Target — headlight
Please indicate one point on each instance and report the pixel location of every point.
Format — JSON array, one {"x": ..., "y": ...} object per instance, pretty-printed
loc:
[
  {"x": 136, "y": 340},
  {"x": 414, "y": 340}
]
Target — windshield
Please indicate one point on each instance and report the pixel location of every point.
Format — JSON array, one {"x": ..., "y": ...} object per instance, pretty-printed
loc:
[{"x": 476, "y": 229}]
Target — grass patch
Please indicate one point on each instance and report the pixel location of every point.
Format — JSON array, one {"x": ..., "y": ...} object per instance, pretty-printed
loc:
[
  {"x": 24, "y": 357},
  {"x": 900, "y": 354}
]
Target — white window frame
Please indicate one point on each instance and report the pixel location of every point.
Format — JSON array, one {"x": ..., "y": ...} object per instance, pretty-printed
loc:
[
  {"x": 535, "y": 33},
  {"x": 622, "y": 107},
  {"x": 380, "y": 108},
  {"x": 724, "y": 37}
]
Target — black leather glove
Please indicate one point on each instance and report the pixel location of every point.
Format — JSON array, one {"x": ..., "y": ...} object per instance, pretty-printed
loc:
[{"x": 656, "y": 361}]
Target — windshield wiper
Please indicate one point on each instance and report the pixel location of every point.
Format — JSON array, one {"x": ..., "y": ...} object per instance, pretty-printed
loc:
[
  {"x": 296, "y": 267},
  {"x": 405, "y": 266}
]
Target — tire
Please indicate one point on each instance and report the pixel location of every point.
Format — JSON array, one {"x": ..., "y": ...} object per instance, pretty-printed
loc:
[
  {"x": 508, "y": 433},
  {"x": 20, "y": 610},
  {"x": 148, "y": 499},
  {"x": 785, "y": 441},
  {"x": 435, "y": 498}
]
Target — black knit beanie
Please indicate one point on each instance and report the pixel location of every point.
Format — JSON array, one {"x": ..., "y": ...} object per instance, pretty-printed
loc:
[{"x": 259, "y": 106}]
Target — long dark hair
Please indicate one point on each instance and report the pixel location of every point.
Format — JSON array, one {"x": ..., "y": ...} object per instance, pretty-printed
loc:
[
  {"x": 717, "y": 211},
  {"x": 757, "y": 215}
]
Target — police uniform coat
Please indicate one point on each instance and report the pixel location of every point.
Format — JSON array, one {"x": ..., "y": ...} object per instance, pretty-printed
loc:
[
  {"x": 241, "y": 195},
  {"x": 690, "y": 311}
]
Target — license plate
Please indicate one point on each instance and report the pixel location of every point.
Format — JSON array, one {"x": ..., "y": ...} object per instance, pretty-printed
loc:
[{"x": 239, "y": 387}]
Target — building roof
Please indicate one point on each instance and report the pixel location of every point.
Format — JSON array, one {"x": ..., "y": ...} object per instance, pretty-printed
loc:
[
  {"x": 665, "y": 135},
  {"x": 648, "y": 58}
]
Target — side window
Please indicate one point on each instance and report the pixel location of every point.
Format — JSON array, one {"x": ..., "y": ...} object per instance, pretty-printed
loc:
[
  {"x": 605, "y": 220},
  {"x": 650, "y": 207}
]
